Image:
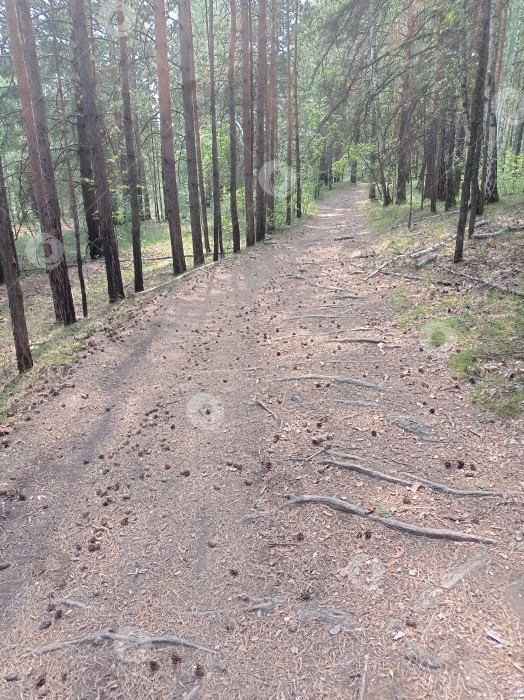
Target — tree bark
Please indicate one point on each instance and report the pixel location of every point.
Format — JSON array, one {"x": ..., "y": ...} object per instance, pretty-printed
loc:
[
  {"x": 297, "y": 120},
  {"x": 273, "y": 120},
  {"x": 289, "y": 109},
  {"x": 188, "y": 78},
  {"x": 233, "y": 129},
  {"x": 247, "y": 124},
  {"x": 83, "y": 61},
  {"x": 405, "y": 136},
  {"x": 475, "y": 141},
  {"x": 167, "y": 144},
  {"x": 201, "y": 185},
  {"x": 25, "y": 59},
  {"x": 69, "y": 169},
  {"x": 376, "y": 104},
  {"x": 132, "y": 166},
  {"x": 489, "y": 186},
  {"x": 261, "y": 119},
  {"x": 9, "y": 264},
  {"x": 218, "y": 248}
]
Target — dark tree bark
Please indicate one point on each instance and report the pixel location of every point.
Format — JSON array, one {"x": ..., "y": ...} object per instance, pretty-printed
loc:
[
  {"x": 87, "y": 181},
  {"x": 132, "y": 166},
  {"x": 354, "y": 163},
  {"x": 233, "y": 128},
  {"x": 297, "y": 119},
  {"x": 218, "y": 248},
  {"x": 188, "y": 78},
  {"x": 489, "y": 186},
  {"x": 247, "y": 122},
  {"x": 34, "y": 111},
  {"x": 69, "y": 169},
  {"x": 475, "y": 142},
  {"x": 261, "y": 119},
  {"x": 289, "y": 110},
  {"x": 167, "y": 144},
  {"x": 83, "y": 61},
  {"x": 9, "y": 264},
  {"x": 405, "y": 136},
  {"x": 273, "y": 119},
  {"x": 201, "y": 185}
]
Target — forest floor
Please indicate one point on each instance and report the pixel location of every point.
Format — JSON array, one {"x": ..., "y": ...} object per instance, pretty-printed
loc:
[{"x": 125, "y": 489}]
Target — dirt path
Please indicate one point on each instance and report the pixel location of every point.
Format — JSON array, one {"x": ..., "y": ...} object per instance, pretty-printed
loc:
[{"x": 125, "y": 491}]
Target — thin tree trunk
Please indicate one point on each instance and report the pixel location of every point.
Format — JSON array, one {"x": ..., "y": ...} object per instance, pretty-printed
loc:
[
  {"x": 217, "y": 212},
  {"x": 405, "y": 136},
  {"x": 201, "y": 186},
  {"x": 247, "y": 126},
  {"x": 376, "y": 104},
  {"x": 261, "y": 119},
  {"x": 273, "y": 120},
  {"x": 489, "y": 186},
  {"x": 354, "y": 162},
  {"x": 289, "y": 109},
  {"x": 132, "y": 169},
  {"x": 32, "y": 99},
  {"x": 94, "y": 241},
  {"x": 186, "y": 57},
  {"x": 167, "y": 144},
  {"x": 297, "y": 119},
  {"x": 9, "y": 264},
  {"x": 233, "y": 129},
  {"x": 115, "y": 286},
  {"x": 69, "y": 169},
  {"x": 475, "y": 141}
]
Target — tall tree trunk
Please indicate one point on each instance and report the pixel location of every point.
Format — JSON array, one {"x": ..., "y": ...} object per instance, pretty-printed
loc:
[
  {"x": 9, "y": 266},
  {"x": 186, "y": 58},
  {"x": 247, "y": 124},
  {"x": 354, "y": 162},
  {"x": 83, "y": 58},
  {"x": 23, "y": 47},
  {"x": 289, "y": 110},
  {"x": 217, "y": 212},
  {"x": 233, "y": 128},
  {"x": 167, "y": 144},
  {"x": 67, "y": 158},
  {"x": 489, "y": 186},
  {"x": 132, "y": 167},
  {"x": 475, "y": 141},
  {"x": 297, "y": 119},
  {"x": 405, "y": 136},
  {"x": 376, "y": 105},
  {"x": 273, "y": 120},
  {"x": 261, "y": 119},
  {"x": 201, "y": 185},
  {"x": 87, "y": 183}
]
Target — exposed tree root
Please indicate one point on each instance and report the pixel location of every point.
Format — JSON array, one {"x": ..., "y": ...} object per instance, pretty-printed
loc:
[
  {"x": 370, "y": 341},
  {"x": 366, "y": 471},
  {"x": 458, "y": 492},
  {"x": 336, "y": 380},
  {"x": 498, "y": 287},
  {"x": 392, "y": 524},
  {"x": 313, "y": 283},
  {"x": 109, "y": 635}
]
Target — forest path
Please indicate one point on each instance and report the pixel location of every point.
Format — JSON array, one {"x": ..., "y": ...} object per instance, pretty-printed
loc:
[{"x": 124, "y": 496}]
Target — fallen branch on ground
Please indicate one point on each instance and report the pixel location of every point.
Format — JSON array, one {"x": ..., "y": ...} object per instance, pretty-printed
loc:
[
  {"x": 414, "y": 255},
  {"x": 344, "y": 238},
  {"x": 313, "y": 283},
  {"x": 497, "y": 287},
  {"x": 266, "y": 408},
  {"x": 337, "y": 380},
  {"x": 371, "y": 341},
  {"x": 420, "y": 253},
  {"x": 458, "y": 492},
  {"x": 427, "y": 261},
  {"x": 363, "y": 679},
  {"x": 494, "y": 234},
  {"x": 348, "y": 509},
  {"x": 366, "y": 471},
  {"x": 108, "y": 635}
]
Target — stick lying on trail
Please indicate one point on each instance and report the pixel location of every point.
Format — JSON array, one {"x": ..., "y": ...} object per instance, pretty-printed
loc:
[
  {"x": 337, "y": 380},
  {"x": 348, "y": 509},
  {"x": 498, "y": 287},
  {"x": 109, "y": 635},
  {"x": 412, "y": 478}
]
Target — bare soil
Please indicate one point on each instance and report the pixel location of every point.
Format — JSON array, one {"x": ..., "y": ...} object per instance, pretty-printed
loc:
[{"x": 123, "y": 498}]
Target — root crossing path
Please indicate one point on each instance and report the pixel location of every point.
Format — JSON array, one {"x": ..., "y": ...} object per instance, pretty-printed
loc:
[{"x": 128, "y": 497}]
